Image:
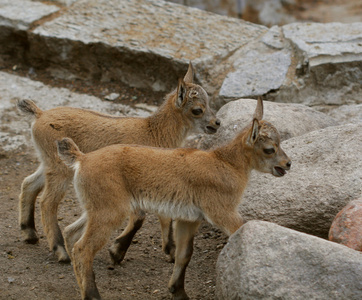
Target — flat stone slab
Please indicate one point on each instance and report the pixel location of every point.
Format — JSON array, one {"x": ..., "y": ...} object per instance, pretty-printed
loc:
[
  {"x": 20, "y": 14},
  {"x": 326, "y": 43},
  {"x": 174, "y": 31},
  {"x": 259, "y": 67},
  {"x": 309, "y": 63},
  {"x": 146, "y": 44},
  {"x": 258, "y": 73}
]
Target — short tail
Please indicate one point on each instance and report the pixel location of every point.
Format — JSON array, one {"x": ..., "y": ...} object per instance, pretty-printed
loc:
[
  {"x": 68, "y": 151},
  {"x": 29, "y": 107}
]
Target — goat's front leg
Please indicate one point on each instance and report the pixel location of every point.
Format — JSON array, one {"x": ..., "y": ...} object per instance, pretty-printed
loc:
[
  {"x": 227, "y": 221},
  {"x": 184, "y": 238},
  {"x": 120, "y": 246},
  {"x": 168, "y": 244}
]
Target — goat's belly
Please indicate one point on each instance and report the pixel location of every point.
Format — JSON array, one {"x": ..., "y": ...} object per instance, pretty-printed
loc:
[{"x": 169, "y": 209}]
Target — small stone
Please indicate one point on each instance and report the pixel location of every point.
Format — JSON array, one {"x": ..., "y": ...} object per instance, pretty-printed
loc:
[
  {"x": 11, "y": 279},
  {"x": 111, "y": 97}
]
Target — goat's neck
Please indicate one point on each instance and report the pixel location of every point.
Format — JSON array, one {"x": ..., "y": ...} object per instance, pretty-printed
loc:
[
  {"x": 237, "y": 154},
  {"x": 168, "y": 125}
]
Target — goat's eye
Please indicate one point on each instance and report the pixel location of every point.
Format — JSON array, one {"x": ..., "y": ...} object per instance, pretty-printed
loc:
[
  {"x": 197, "y": 111},
  {"x": 269, "y": 151}
]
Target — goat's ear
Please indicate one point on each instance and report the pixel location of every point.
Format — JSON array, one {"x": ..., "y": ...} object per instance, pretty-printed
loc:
[
  {"x": 189, "y": 77},
  {"x": 181, "y": 93},
  {"x": 259, "y": 110},
  {"x": 253, "y": 133}
]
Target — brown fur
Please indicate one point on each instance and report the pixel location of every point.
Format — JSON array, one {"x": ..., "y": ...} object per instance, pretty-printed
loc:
[
  {"x": 168, "y": 127},
  {"x": 187, "y": 185}
]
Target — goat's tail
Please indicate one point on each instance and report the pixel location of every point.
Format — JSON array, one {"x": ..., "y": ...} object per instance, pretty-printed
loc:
[
  {"x": 68, "y": 151},
  {"x": 29, "y": 107}
]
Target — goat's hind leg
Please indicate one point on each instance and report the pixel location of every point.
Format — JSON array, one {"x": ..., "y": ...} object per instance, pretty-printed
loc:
[
  {"x": 56, "y": 184},
  {"x": 30, "y": 189},
  {"x": 74, "y": 231},
  {"x": 120, "y": 246},
  {"x": 98, "y": 230},
  {"x": 184, "y": 239}
]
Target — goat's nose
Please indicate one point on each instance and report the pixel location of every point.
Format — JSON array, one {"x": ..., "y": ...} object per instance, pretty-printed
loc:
[
  {"x": 217, "y": 122},
  {"x": 289, "y": 164}
]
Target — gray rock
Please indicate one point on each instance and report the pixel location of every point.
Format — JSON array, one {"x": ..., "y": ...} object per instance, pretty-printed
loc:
[
  {"x": 329, "y": 68},
  {"x": 326, "y": 174},
  {"x": 290, "y": 119},
  {"x": 309, "y": 63},
  {"x": 259, "y": 67},
  {"x": 347, "y": 113},
  {"x": 20, "y": 14},
  {"x": 15, "y": 131},
  {"x": 64, "y": 2},
  {"x": 326, "y": 43},
  {"x": 266, "y": 261},
  {"x": 147, "y": 44},
  {"x": 271, "y": 12}
]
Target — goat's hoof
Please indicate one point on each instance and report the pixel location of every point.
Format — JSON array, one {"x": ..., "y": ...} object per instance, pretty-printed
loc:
[
  {"x": 170, "y": 250},
  {"x": 62, "y": 255},
  {"x": 30, "y": 236},
  {"x": 116, "y": 257}
]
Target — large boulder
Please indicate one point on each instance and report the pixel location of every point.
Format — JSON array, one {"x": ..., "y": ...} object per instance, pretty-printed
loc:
[
  {"x": 326, "y": 174},
  {"x": 347, "y": 113},
  {"x": 290, "y": 119},
  {"x": 266, "y": 261}
]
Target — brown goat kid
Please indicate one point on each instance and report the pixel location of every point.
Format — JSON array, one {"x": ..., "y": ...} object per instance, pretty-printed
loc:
[
  {"x": 187, "y": 185},
  {"x": 185, "y": 109}
]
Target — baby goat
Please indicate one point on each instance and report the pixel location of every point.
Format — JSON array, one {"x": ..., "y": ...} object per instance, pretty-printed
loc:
[
  {"x": 187, "y": 185},
  {"x": 184, "y": 109}
]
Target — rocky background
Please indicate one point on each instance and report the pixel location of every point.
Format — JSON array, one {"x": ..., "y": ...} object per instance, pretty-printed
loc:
[{"x": 121, "y": 57}]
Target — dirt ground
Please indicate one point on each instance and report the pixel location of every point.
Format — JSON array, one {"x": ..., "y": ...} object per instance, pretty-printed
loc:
[{"x": 32, "y": 272}]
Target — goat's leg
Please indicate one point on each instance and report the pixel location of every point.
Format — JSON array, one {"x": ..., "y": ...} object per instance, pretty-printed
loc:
[
  {"x": 74, "y": 231},
  {"x": 30, "y": 189},
  {"x": 229, "y": 222},
  {"x": 98, "y": 230},
  {"x": 184, "y": 237},
  {"x": 168, "y": 244},
  {"x": 55, "y": 188},
  {"x": 120, "y": 246}
]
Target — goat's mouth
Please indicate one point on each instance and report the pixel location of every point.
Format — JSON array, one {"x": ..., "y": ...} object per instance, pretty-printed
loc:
[
  {"x": 279, "y": 171},
  {"x": 210, "y": 130}
]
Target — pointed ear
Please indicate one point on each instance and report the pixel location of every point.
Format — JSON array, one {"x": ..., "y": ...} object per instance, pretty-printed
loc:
[
  {"x": 181, "y": 93},
  {"x": 253, "y": 134},
  {"x": 259, "y": 110},
  {"x": 189, "y": 77}
]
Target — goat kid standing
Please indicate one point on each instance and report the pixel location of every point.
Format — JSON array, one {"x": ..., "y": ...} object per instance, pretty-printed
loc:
[
  {"x": 185, "y": 109},
  {"x": 187, "y": 185}
]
